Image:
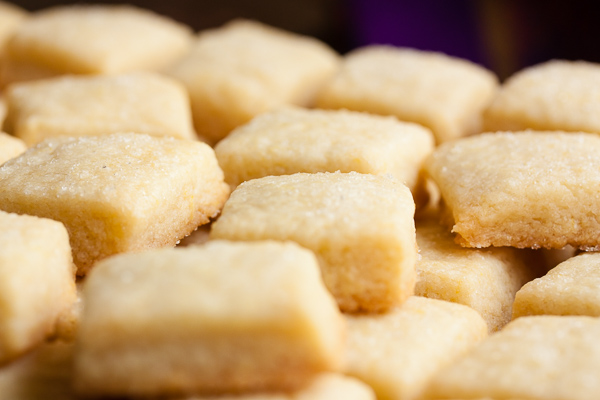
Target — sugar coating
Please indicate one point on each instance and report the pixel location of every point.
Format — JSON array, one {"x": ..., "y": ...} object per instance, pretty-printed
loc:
[
  {"x": 360, "y": 227},
  {"x": 220, "y": 318},
  {"x": 524, "y": 189},
  {"x": 291, "y": 140},
  {"x": 445, "y": 94},
  {"x": 44, "y": 373},
  {"x": 141, "y": 102},
  {"x": 10, "y": 18},
  {"x": 534, "y": 358},
  {"x": 396, "y": 353},
  {"x": 571, "y": 288},
  {"x": 326, "y": 386},
  {"x": 244, "y": 68},
  {"x": 10, "y": 147},
  {"x": 116, "y": 193},
  {"x": 76, "y": 39},
  {"x": 37, "y": 280},
  {"x": 483, "y": 279},
  {"x": 555, "y": 95}
]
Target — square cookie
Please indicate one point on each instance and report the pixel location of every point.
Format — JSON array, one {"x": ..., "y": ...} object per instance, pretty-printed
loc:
[
  {"x": 220, "y": 318},
  {"x": 10, "y": 147},
  {"x": 291, "y": 140},
  {"x": 116, "y": 193},
  {"x": 10, "y": 17},
  {"x": 534, "y": 358},
  {"x": 445, "y": 94},
  {"x": 244, "y": 68},
  {"x": 326, "y": 386},
  {"x": 93, "y": 39},
  {"x": 397, "y": 353},
  {"x": 141, "y": 102},
  {"x": 522, "y": 189},
  {"x": 571, "y": 288},
  {"x": 483, "y": 279},
  {"x": 556, "y": 95},
  {"x": 37, "y": 281},
  {"x": 360, "y": 227}
]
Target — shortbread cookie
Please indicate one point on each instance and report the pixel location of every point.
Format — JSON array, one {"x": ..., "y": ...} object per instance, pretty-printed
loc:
[
  {"x": 116, "y": 193},
  {"x": 10, "y": 147},
  {"x": 533, "y": 358},
  {"x": 571, "y": 288},
  {"x": 94, "y": 39},
  {"x": 45, "y": 373},
  {"x": 555, "y": 95},
  {"x": 141, "y": 102},
  {"x": 10, "y": 18},
  {"x": 220, "y": 318},
  {"x": 443, "y": 93},
  {"x": 244, "y": 68},
  {"x": 525, "y": 189},
  {"x": 293, "y": 140},
  {"x": 326, "y": 386},
  {"x": 483, "y": 279},
  {"x": 360, "y": 226},
  {"x": 2, "y": 111},
  {"x": 396, "y": 353},
  {"x": 37, "y": 280}
]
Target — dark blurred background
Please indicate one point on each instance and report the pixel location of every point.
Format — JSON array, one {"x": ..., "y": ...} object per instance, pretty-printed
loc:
[{"x": 503, "y": 35}]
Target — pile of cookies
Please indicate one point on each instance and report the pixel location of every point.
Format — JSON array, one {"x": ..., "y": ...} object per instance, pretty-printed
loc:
[{"x": 242, "y": 213}]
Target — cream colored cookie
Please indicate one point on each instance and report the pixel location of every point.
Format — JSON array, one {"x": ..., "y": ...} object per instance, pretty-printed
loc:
[
  {"x": 45, "y": 373},
  {"x": 360, "y": 226},
  {"x": 533, "y": 358},
  {"x": 396, "y": 353},
  {"x": 141, "y": 102},
  {"x": 555, "y": 95},
  {"x": 244, "y": 68},
  {"x": 326, "y": 386},
  {"x": 571, "y": 288},
  {"x": 37, "y": 281},
  {"x": 93, "y": 39},
  {"x": 293, "y": 140},
  {"x": 116, "y": 193},
  {"x": 11, "y": 16},
  {"x": 524, "y": 189},
  {"x": 220, "y": 318},
  {"x": 10, "y": 147},
  {"x": 483, "y": 279},
  {"x": 445, "y": 94}
]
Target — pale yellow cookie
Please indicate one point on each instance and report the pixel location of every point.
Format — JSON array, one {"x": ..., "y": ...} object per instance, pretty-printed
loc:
[
  {"x": 244, "y": 68},
  {"x": 533, "y": 358},
  {"x": 571, "y": 288},
  {"x": 220, "y": 318},
  {"x": 93, "y": 39},
  {"x": 360, "y": 226},
  {"x": 524, "y": 189},
  {"x": 445, "y": 94},
  {"x": 10, "y": 147},
  {"x": 141, "y": 102},
  {"x": 3, "y": 111},
  {"x": 37, "y": 281},
  {"x": 396, "y": 353},
  {"x": 116, "y": 193},
  {"x": 326, "y": 386},
  {"x": 555, "y": 95},
  {"x": 483, "y": 279},
  {"x": 45, "y": 373},
  {"x": 293, "y": 140},
  {"x": 10, "y": 17}
]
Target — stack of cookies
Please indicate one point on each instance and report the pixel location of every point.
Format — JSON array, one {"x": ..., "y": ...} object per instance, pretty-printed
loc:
[{"x": 243, "y": 213}]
